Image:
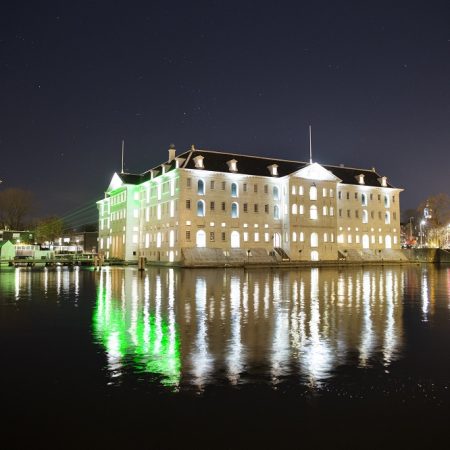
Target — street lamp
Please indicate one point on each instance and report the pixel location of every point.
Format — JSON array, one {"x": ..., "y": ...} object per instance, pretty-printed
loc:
[{"x": 422, "y": 223}]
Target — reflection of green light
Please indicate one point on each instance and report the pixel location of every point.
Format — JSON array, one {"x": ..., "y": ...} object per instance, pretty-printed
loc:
[{"x": 152, "y": 343}]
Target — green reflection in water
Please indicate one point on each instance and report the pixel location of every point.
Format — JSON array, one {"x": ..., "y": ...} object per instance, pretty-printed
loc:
[{"x": 127, "y": 331}]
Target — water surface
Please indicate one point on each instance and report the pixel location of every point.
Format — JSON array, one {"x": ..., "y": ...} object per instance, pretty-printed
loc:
[{"x": 225, "y": 358}]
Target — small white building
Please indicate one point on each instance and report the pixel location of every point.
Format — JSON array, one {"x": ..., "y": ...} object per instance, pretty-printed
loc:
[
  {"x": 7, "y": 251},
  {"x": 207, "y": 207}
]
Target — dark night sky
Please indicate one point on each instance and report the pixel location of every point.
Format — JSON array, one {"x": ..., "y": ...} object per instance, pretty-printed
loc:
[{"x": 373, "y": 78}]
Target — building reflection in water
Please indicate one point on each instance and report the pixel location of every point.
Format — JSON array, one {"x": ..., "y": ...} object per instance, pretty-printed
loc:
[{"x": 198, "y": 326}]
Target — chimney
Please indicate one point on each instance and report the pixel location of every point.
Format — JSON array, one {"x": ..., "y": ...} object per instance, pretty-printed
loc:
[
  {"x": 172, "y": 152},
  {"x": 341, "y": 165}
]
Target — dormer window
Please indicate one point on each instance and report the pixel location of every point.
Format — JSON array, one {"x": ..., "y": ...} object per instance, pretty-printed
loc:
[
  {"x": 273, "y": 169},
  {"x": 360, "y": 178},
  {"x": 165, "y": 168},
  {"x": 153, "y": 173},
  {"x": 383, "y": 181},
  {"x": 232, "y": 165},
  {"x": 198, "y": 160},
  {"x": 179, "y": 162}
]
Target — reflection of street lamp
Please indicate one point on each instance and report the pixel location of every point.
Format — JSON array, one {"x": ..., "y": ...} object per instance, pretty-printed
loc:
[
  {"x": 422, "y": 223},
  {"x": 76, "y": 248},
  {"x": 249, "y": 253}
]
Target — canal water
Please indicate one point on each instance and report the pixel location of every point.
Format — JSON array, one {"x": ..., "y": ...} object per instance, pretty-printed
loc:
[{"x": 205, "y": 358}]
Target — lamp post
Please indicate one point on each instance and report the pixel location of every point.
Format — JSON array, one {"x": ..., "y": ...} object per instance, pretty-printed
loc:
[{"x": 422, "y": 223}]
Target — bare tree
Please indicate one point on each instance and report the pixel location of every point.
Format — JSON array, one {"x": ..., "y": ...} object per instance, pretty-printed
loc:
[
  {"x": 15, "y": 205},
  {"x": 49, "y": 229},
  {"x": 440, "y": 209}
]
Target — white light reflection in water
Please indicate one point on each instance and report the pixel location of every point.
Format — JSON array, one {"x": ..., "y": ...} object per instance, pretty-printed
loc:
[
  {"x": 424, "y": 295},
  {"x": 367, "y": 338},
  {"x": 17, "y": 283},
  {"x": 201, "y": 359},
  {"x": 280, "y": 342},
  {"x": 235, "y": 350},
  {"x": 316, "y": 356}
]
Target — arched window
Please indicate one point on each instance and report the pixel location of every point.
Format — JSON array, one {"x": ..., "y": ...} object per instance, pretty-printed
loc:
[
  {"x": 313, "y": 212},
  {"x": 201, "y": 239},
  {"x": 365, "y": 241},
  {"x": 171, "y": 238},
  {"x": 294, "y": 236},
  {"x": 234, "y": 190},
  {"x": 235, "y": 239},
  {"x": 201, "y": 187},
  {"x": 365, "y": 216},
  {"x": 313, "y": 193},
  {"x": 294, "y": 208},
  {"x": 234, "y": 210},
  {"x": 158, "y": 240},
  {"x": 314, "y": 240},
  {"x": 324, "y": 211},
  {"x": 364, "y": 199},
  {"x": 314, "y": 255},
  {"x": 388, "y": 241},
  {"x": 200, "y": 208},
  {"x": 276, "y": 212},
  {"x": 302, "y": 236},
  {"x": 387, "y": 217},
  {"x": 276, "y": 193}
]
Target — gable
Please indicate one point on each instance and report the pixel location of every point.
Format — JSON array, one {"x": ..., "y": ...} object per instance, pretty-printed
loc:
[
  {"x": 317, "y": 172},
  {"x": 115, "y": 183}
]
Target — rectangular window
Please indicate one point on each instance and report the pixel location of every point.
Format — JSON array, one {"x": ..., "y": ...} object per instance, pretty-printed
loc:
[
  {"x": 223, "y": 185},
  {"x": 379, "y": 215},
  {"x": 211, "y": 236},
  {"x": 266, "y": 189},
  {"x": 379, "y": 197},
  {"x": 212, "y": 206},
  {"x": 245, "y": 207},
  {"x": 255, "y": 208},
  {"x": 339, "y": 195},
  {"x": 188, "y": 235},
  {"x": 340, "y": 213},
  {"x": 324, "y": 192},
  {"x": 348, "y": 213},
  {"x": 188, "y": 204},
  {"x": 188, "y": 182},
  {"x": 331, "y": 211},
  {"x": 223, "y": 206},
  {"x": 356, "y": 196},
  {"x": 293, "y": 191},
  {"x": 301, "y": 209},
  {"x": 211, "y": 184},
  {"x": 348, "y": 195},
  {"x": 245, "y": 234},
  {"x": 224, "y": 236},
  {"x": 266, "y": 237},
  {"x": 394, "y": 215},
  {"x": 300, "y": 190},
  {"x": 324, "y": 211},
  {"x": 266, "y": 209},
  {"x": 349, "y": 238},
  {"x": 356, "y": 213},
  {"x": 255, "y": 188},
  {"x": 256, "y": 237},
  {"x": 371, "y": 196},
  {"x": 331, "y": 193},
  {"x": 244, "y": 187}
]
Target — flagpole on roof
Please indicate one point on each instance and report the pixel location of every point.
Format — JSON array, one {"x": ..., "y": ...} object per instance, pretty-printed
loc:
[
  {"x": 123, "y": 148},
  {"x": 310, "y": 146}
]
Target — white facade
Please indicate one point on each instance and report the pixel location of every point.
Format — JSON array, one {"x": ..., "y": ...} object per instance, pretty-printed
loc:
[{"x": 302, "y": 211}]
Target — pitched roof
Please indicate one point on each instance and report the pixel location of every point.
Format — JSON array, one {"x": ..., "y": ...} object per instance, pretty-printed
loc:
[
  {"x": 254, "y": 165},
  {"x": 258, "y": 166}
]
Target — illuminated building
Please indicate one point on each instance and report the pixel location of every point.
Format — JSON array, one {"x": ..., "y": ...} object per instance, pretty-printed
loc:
[{"x": 204, "y": 207}]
